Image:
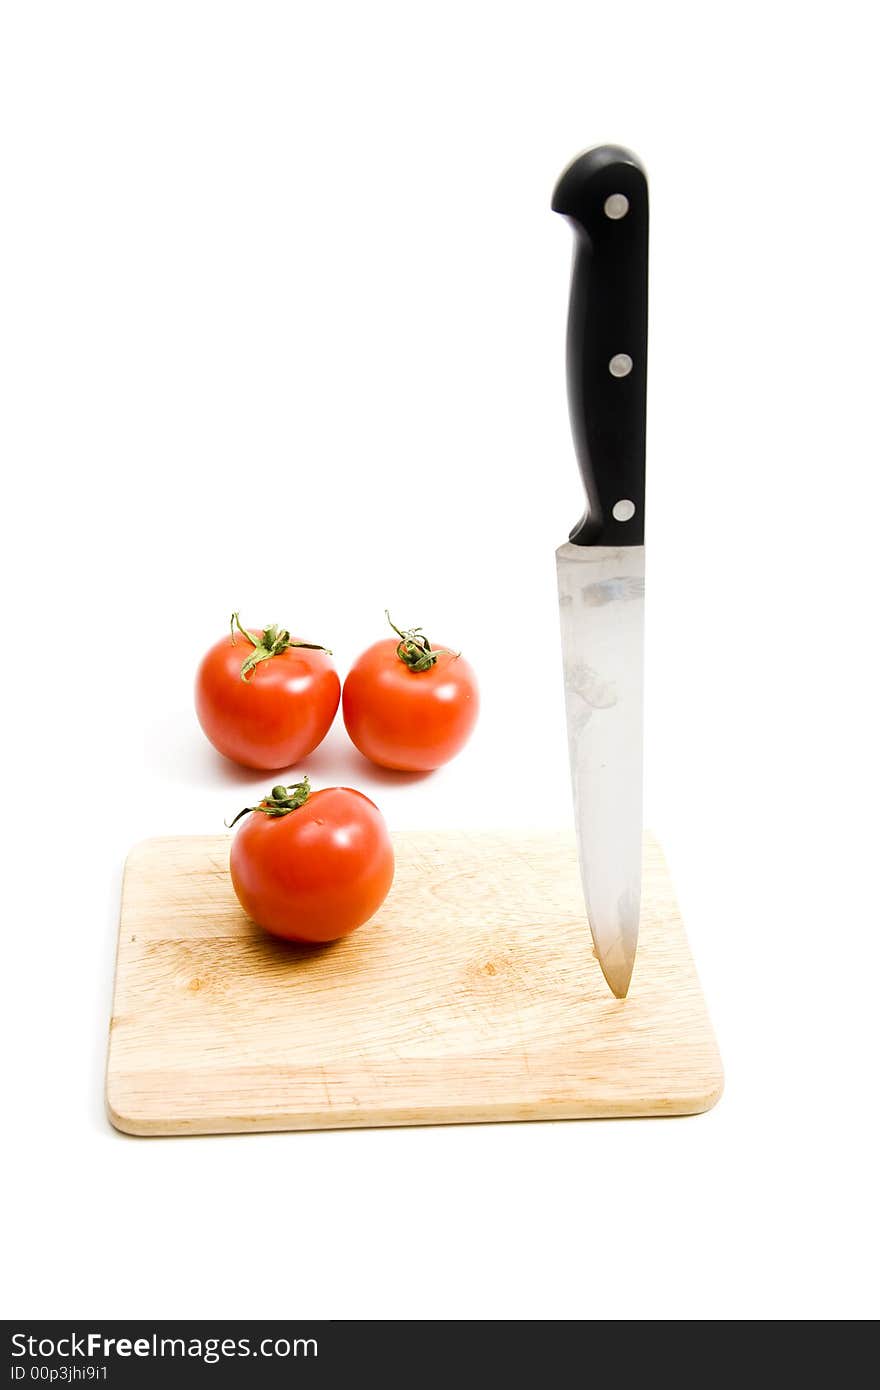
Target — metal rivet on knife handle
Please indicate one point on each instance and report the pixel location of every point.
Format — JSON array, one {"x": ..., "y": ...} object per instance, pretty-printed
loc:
[
  {"x": 616, "y": 206},
  {"x": 621, "y": 364},
  {"x": 624, "y": 510}
]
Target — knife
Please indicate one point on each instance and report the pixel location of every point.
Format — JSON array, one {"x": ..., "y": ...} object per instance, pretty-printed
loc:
[{"x": 601, "y": 570}]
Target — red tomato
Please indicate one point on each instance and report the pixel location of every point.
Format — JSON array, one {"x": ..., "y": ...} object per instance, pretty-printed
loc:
[
  {"x": 314, "y": 871},
  {"x": 409, "y": 706},
  {"x": 276, "y": 710}
]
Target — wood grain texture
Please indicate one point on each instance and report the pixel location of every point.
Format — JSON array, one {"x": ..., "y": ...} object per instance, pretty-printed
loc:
[{"x": 472, "y": 996}]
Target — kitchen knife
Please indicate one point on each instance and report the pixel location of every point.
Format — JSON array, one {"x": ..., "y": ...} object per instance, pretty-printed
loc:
[{"x": 601, "y": 570}]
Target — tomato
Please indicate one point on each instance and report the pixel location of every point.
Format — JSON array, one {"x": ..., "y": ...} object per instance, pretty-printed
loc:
[
  {"x": 312, "y": 866},
  {"x": 265, "y": 699},
  {"x": 408, "y": 705}
]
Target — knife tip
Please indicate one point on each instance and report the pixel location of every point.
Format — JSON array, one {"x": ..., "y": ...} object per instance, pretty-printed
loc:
[{"x": 618, "y": 977}]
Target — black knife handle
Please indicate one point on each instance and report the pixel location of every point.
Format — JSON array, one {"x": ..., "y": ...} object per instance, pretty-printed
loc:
[{"x": 604, "y": 194}]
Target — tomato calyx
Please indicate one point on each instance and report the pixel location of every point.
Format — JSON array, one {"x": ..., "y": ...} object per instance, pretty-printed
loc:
[
  {"x": 280, "y": 801},
  {"x": 273, "y": 641},
  {"x": 414, "y": 649}
]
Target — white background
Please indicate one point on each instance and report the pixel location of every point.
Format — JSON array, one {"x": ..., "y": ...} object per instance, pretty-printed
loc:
[{"x": 282, "y": 330}]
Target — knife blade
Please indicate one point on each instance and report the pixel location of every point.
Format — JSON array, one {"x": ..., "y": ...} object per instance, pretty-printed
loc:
[{"x": 601, "y": 569}]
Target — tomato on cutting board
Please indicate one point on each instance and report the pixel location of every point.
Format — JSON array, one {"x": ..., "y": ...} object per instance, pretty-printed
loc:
[
  {"x": 409, "y": 705},
  {"x": 311, "y": 866},
  {"x": 266, "y": 699}
]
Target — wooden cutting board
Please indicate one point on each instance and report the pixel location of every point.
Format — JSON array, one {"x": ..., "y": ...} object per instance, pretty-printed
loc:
[{"x": 472, "y": 995}]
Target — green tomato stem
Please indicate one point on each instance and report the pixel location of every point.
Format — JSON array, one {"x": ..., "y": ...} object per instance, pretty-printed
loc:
[
  {"x": 280, "y": 802},
  {"x": 414, "y": 649},
  {"x": 273, "y": 641}
]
